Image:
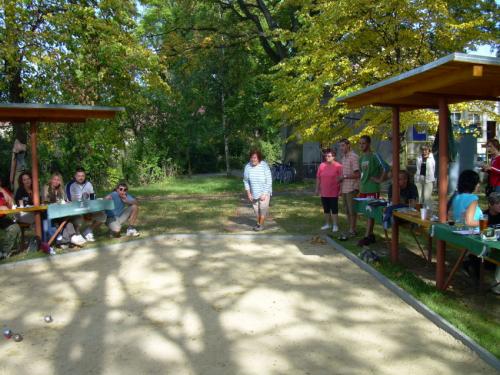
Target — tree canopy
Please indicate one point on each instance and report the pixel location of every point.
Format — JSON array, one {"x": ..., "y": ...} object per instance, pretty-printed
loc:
[{"x": 204, "y": 81}]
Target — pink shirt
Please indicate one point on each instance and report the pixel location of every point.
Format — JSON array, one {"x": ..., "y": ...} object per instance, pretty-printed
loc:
[{"x": 327, "y": 175}]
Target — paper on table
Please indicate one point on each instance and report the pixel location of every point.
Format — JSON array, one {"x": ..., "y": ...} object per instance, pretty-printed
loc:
[{"x": 467, "y": 231}]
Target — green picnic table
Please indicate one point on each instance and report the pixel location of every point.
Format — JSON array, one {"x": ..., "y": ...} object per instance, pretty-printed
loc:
[
  {"x": 373, "y": 212},
  {"x": 472, "y": 243},
  {"x": 76, "y": 208}
]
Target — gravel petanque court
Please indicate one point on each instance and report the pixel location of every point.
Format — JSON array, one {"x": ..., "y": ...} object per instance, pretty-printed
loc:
[{"x": 216, "y": 305}]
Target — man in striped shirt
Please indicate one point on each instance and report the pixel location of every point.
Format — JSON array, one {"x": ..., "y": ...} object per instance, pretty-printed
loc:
[{"x": 259, "y": 186}]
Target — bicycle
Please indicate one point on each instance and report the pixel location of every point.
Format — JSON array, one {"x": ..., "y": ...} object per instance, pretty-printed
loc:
[{"x": 283, "y": 173}]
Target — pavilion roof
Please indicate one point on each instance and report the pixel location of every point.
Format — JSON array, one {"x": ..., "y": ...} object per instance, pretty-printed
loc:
[
  {"x": 23, "y": 112},
  {"x": 459, "y": 77}
]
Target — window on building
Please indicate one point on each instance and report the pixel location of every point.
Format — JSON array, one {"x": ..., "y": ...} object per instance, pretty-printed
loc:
[
  {"x": 474, "y": 120},
  {"x": 455, "y": 118}
]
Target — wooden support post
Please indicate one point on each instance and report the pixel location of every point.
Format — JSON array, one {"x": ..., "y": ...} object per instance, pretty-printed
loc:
[
  {"x": 395, "y": 182},
  {"x": 443, "y": 189},
  {"x": 35, "y": 176}
]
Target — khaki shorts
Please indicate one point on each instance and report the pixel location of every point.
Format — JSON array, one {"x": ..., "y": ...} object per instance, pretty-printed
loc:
[
  {"x": 349, "y": 202},
  {"x": 115, "y": 223},
  {"x": 261, "y": 208}
]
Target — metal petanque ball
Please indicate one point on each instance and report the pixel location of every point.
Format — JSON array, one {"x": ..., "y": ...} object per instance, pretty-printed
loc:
[
  {"x": 48, "y": 319},
  {"x": 7, "y": 333},
  {"x": 17, "y": 337}
]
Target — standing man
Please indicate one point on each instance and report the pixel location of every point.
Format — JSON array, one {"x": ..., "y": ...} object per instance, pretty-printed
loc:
[
  {"x": 126, "y": 209},
  {"x": 80, "y": 189},
  {"x": 349, "y": 182},
  {"x": 372, "y": 174},
  {"x": 258, "y": 184}
]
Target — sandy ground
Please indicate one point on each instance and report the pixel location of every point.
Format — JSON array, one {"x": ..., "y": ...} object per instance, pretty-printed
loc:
[{"x": 221, "y": 305}]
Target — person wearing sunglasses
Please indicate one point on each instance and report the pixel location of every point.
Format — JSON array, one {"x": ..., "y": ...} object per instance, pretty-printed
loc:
[{"x": 126, "y": 210}]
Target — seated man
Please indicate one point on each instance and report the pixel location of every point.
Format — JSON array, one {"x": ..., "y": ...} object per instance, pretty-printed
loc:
[
  {"x": 80, "y": 189},
  {"x": 10, "y": 232},
  {"x": 126, "y": 209},
  {"x": 407, "y": 190}
]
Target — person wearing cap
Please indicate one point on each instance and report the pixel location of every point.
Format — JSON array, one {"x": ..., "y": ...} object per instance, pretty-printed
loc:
[{"x": 493, "y": 170}]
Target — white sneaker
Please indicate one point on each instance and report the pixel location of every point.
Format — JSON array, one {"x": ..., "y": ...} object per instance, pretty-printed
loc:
[
  {"x": 325, "y": 227},
  {"x": 78, "y": 240},
  {"x": 132, "y": 232},
  {"x": 88, "y": 235},
  {"x": 335, "y": 228}
]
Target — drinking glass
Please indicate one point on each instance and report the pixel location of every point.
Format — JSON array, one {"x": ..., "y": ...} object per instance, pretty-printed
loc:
[{"x": 483, "y": 222}]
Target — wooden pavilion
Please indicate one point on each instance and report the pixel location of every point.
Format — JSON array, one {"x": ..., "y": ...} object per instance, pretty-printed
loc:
[
  {"x": 34, "y": 114},
  {"x": 452, "y": 79}
]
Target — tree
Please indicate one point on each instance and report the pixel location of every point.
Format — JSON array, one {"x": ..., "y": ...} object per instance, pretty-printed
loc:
[
  {"x": 343, "y": 46},
  {"x": 84, "y": 52}
]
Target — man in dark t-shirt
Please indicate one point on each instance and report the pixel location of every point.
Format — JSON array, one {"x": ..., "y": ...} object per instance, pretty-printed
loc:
[
  {"x": 493, "y": 210},
  {"x": 407, "y": 190}
]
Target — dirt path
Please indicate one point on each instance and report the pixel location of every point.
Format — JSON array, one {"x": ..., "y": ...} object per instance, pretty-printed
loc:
[
  {"x": 244, "y": 219},
  {"x": 218, "y": 304}
]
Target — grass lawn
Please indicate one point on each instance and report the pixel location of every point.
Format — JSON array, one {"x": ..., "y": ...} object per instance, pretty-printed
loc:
[
  {"x": 210, "y": 186},
  {"x": 166, "y": 208}
]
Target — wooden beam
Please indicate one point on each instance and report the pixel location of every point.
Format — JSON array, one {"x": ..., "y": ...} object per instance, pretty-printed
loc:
[
  {"x": 52, "y": 115},
  {"x": 35, "y": 177},
  {"x": 395, "y": 182},
  {"x": 460, "y": 97},
  {"x": 442, "y": 189},
  {"x": 41, "y": 119},
  {"x": 405, "y": 88}
]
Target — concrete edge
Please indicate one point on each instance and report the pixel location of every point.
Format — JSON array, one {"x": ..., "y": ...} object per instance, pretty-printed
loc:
[
  {"x": 435, "y": 318},
  {"x": 139, "y": 242}
]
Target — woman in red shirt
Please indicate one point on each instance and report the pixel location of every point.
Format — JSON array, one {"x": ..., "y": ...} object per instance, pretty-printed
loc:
[
  {"x": 493, "y": 149},
  {"x": 328, "y": 187}
]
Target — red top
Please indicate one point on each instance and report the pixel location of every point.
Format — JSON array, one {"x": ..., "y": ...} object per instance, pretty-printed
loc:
[
  {"x": 3, "y": 200},
  {"x": 494, "y": 173},
  {"x": 329, "y": 186}
]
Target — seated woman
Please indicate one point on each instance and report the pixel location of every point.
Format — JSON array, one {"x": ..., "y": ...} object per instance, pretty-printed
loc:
[
  {"x": 10, "y": 232},
  {"x": 54, "y": 192},
  {"x": 465, "y": 204},
  {"x": 24, "y": 198}
]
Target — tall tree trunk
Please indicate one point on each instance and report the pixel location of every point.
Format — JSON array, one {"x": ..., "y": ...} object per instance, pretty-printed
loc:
[
  {"x": 224, "y": 133},
  {"x": 293, "y": 153}
]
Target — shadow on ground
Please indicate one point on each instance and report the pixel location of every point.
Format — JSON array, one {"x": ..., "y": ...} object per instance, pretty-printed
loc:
[{"x": 216, "y": 305}]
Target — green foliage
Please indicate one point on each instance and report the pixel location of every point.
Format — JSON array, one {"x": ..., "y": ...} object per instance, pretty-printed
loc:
[
  {"x": 271, "y": 151},
  {"x": 343, "y": 46}
]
